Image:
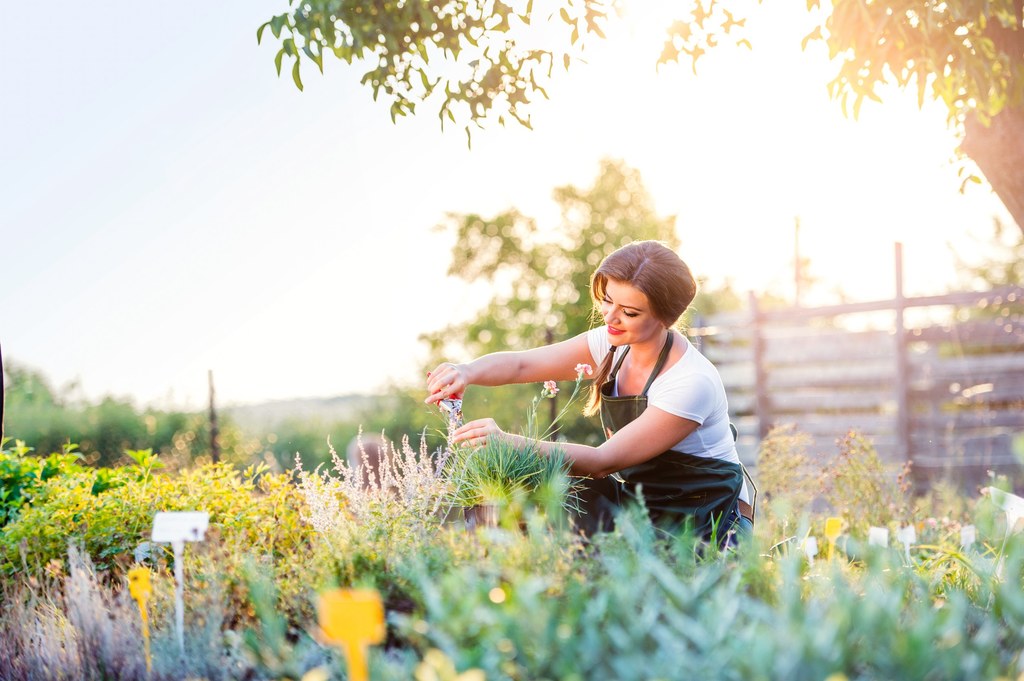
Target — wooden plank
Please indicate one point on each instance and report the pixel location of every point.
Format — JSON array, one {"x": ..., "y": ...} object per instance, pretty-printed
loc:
[
  {"x": 953, "y": 394},
  {"x": 830, "y": 345},
  {"x": 978, "y": 449},
  {"x": 727, "y": 320},
  {"x": 822, "y": 401},
  {"x": 740, "y": 402},
  {"x": 968, "y": 419},
  {"x": 722, "y": 334},
  {"x": 931, "y": 461},
  {"x": 738, "y": 375},
  {"x": 835, "y": 375},
  {"x": 966, "y": 366},
  {"x": 839, "y": 424},
  {"x": 722, "y": 354},
  {"x": 997, "y": 333},
  {"x": 746, "y": 425},
  {"x": 958, "y": 299}
]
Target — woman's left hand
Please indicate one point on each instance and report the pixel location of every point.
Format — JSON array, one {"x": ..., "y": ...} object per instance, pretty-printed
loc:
[{"x": 477, "y": 433}]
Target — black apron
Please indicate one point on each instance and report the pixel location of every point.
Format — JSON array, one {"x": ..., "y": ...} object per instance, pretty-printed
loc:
[{"x": 677, "y": 488}]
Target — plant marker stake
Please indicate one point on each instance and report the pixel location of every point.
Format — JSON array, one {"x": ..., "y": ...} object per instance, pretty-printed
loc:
[
  {"x": 176, "y": 528},
  {"x": 968, "y": 535},
  {"x": 1013, "y": 507},
  {"x": 140, "y": 586},
  {"x": 833, "y": 528},
  {"x": 907, "y": 535},
  {"x": 352, "y": 619},
  {"x": 810, "y": 544},
  {"x": 878, "y": 536}
]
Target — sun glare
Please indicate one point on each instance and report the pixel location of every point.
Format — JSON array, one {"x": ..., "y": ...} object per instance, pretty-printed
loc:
[{"x": 752, "y": 142}]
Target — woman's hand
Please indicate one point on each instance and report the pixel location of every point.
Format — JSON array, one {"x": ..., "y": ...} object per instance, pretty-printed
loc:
[
  {"x": 477, "y": 433},
  {"x": 446, "y": 380}
]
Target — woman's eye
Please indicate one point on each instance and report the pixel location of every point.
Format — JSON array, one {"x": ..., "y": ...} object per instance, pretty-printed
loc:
[{"x": 630, "y": 314}]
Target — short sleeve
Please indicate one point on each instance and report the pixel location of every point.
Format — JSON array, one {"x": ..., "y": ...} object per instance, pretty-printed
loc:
[
  {"x": 597, "y": 339},
  {"x": 691, "y": 396}
]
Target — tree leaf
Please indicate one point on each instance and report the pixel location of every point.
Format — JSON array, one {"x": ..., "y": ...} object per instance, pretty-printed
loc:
[
  {"x": 259, "y": 32},
  {"x": 295, "y": 74},
  {"x": 565, "y": 16},
  {"x": 813, "y": 35},
  {"x": 277, "y": 61}
]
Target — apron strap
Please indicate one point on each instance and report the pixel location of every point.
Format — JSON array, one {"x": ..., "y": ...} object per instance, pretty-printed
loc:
[{"x": 658, "y": 366}]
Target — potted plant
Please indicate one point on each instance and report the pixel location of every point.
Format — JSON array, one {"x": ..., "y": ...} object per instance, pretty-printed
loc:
[{"x": 500, "y": 481}]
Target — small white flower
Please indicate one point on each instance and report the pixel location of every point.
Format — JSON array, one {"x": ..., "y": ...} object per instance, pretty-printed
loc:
[{"x": 582, "y": 369}]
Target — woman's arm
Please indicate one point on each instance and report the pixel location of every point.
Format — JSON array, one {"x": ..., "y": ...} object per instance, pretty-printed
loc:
[
  {"x": 653, "y": 432},
  {"x": 555, "y": 362}
]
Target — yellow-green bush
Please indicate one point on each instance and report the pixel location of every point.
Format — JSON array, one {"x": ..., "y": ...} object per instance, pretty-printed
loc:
[{"x": 252, "y": 513}]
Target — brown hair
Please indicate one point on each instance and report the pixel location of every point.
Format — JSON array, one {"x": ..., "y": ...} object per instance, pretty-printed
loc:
[{"x": 656, "y": 271}]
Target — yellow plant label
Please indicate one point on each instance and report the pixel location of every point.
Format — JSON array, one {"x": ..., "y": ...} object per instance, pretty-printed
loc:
[
  {"x": 352, "y": 619},
  {"x": 140, "y": 585},
  {"x": 833, "y": 528}
]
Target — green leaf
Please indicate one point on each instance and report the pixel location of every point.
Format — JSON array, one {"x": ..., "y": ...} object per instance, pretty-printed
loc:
[
  {"x": 277, "y": 60},
  {"x": 295, "y": 75},
  {"x": 259, "y": 32},
  {"x": 277, "y": 23}
]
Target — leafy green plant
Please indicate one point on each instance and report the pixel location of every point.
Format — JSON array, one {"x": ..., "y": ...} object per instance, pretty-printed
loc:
[
  {"x": 517, "y": 477},
  {"x": 21, "y": 475},
  {"x": 863, "y": 489}
]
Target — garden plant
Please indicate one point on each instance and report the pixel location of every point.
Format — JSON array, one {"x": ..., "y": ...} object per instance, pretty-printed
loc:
[{"x": 529, "y": 598}]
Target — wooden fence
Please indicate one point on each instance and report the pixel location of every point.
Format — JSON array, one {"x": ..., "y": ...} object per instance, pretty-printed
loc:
[{"x": 938, "y": 380}]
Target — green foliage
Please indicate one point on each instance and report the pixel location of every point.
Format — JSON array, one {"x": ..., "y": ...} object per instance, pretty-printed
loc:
[
  {"x": 532, "y": 602},
  {"x": 21, "y": 475},
  {"x": 104, "y": 431},
  {"x": 967, "y": 54},
  {"x": 512, "y": 478},
  {"x": 109, "y": 513},
  {"x": 487, "y": 58},
  {"x": 1001, "y": 263}
]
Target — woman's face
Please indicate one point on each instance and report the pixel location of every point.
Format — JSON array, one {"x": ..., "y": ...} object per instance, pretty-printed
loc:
[{"x": 627, "y": 313}]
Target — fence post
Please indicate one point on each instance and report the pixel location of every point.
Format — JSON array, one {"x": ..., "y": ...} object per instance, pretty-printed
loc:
[
  {"x": 761, "y": 406},
  {"x": 902, "y": 365},
  {"x": 698, "y": 340},
  {"x": 1, "y": 396},
  {"x": 214, "y": 429}
]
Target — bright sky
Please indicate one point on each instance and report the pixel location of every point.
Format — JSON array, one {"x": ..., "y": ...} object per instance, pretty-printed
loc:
[{"x": 169, "y": 206}]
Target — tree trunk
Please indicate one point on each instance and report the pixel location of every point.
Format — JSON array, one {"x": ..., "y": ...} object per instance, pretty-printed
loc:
[{"x": 998, "y": 149}]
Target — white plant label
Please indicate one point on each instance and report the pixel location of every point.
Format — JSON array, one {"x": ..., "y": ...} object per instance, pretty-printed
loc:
[
  {"x": 176, "y": 528},
  {"x": 172, "y": 526},
  {"x": 878, "y": 536},
  {"x": 968, "y": 535}
]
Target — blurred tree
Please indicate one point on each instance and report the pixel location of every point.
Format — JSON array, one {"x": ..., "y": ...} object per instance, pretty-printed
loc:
[
  {"x": 489, "y": 58},
  {"x": 1001, "y": 261},
  {"x": 46, "y": 419}
]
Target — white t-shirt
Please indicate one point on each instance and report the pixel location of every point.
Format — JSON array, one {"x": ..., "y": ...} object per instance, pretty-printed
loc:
[{"x": 692, "y": 389}]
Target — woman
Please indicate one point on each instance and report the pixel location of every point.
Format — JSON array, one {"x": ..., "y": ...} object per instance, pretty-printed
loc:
[{"x": 662, "y": 403}]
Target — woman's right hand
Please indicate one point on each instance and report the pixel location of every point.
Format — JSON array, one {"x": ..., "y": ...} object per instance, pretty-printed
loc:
[{"x": 447, "y": 380}]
